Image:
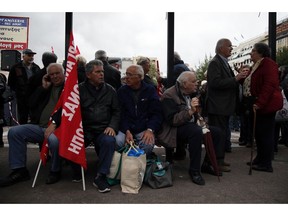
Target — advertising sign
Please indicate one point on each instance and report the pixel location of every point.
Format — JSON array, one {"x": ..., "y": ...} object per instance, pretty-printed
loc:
[{"x": 14, "y": 33}]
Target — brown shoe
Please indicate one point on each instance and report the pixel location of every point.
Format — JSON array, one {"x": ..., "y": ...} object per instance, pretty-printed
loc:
[{"x": 224, "y": 168}]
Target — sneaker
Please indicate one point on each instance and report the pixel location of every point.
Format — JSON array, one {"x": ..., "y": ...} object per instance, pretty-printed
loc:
[
  {"x": 101, "y": 183},
  {"x": 15, "y": 177}
]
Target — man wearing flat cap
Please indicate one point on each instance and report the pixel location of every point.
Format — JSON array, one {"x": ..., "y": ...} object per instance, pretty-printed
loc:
[{"x": 18, "y": 81}]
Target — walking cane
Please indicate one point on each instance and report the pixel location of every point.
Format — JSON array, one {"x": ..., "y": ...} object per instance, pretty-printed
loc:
[{"x": 252, "y": 145}]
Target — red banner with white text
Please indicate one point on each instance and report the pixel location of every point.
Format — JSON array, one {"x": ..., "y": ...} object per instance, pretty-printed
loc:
[{"x": 70, "y": 132}]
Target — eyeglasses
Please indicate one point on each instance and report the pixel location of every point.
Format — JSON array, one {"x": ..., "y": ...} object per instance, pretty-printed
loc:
[{"x": 130, "y": 74}]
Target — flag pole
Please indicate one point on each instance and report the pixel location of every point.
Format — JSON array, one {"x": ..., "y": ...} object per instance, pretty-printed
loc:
[
  {"x": 36, "y": 175},
  {"x": 83, "y": 178}
]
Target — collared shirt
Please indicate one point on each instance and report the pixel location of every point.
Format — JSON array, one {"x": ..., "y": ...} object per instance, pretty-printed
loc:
[
  {"x": 247, "y": 81},
  {"x": 188, "y": 103}
]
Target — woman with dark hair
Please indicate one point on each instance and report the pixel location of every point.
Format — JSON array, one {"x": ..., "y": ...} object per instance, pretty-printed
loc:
[{"x": 262, "y": 85}]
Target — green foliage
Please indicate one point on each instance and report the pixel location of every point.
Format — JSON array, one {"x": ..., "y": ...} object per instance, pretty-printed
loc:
[
  {"x": 282, "y": 56},
  {"x": 202, "y": 68},
  {"x": 153, "y": 72}
]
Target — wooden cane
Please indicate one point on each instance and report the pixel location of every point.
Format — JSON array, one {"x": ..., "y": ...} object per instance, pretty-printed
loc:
[{"x": 252, "y": 145}]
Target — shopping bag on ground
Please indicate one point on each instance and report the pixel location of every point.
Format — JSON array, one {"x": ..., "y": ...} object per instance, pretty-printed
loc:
[
  {"x": 114, "y": 175},
  {"x": 158, "y": 174},
  {"x": 132, "y": 170},
  {"x": 282, "y": 115}
]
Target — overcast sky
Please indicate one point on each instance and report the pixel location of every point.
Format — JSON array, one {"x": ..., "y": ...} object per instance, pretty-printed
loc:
[{"x": 124, "y": 34}]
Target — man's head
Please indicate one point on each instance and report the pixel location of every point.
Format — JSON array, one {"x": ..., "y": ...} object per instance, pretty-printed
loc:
[
  {"x": 101, "y": 55},
  {"x": 145, "y": 63},
  {"x": 55, "y": 72},
  {"x": 81, "y": 61},
  {"x": 176, "y": 57},
  {"x": 48, "y": 58},
  {"x": 28, "y": 56},
  {"x": 134, "y": 75},
  {"x": 188, "y": 82},
  {"x": 224, "y": 47},
  {"x": 95, "y": 72}
]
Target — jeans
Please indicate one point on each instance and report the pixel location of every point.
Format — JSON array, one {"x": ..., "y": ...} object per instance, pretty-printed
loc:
[
  {"x": 18, "y": 136},
  {"x": 120, "y": 142},
  {"x": 104, "y": 147}
]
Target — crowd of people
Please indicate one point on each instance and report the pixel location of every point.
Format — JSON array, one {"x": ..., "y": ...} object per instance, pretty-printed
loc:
[{"x": 115, "y": 113}]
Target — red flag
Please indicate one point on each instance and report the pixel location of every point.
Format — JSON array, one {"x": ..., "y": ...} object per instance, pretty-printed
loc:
[
  {"x": 77, "y": 51},
  {"x": 70, "y": 132}
]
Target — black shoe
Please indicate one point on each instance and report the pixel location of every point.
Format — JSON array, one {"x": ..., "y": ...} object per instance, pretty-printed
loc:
[
  {"x": 15, "y": 177},
  {"x": 206, "y": 168},
  {"x": 197, "y": 178},
  {"x": 77, "y": 177},
  {"x": 53, "y": 177},
  {"x": 262, "y": 168},
  {"x": 101, "y": 183}
]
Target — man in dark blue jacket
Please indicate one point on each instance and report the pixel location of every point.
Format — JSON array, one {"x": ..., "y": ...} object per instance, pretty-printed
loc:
[{"x": 141, "y": 114}]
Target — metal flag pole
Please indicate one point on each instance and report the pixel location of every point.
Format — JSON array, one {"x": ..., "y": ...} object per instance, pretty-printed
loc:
[
  {"x": 36, "y": 175},
  {"x": 83, "y": 178}
]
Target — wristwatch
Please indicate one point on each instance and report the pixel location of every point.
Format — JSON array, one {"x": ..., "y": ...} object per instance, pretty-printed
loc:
[{"x": 149, "y": 129}]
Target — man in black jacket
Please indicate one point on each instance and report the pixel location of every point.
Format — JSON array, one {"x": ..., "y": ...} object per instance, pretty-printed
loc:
[
  {"x": 112, "y": 76},
  {"x": 100, "y": 117},
  {"x": 42, "y": 104},
  {"x": 18, "y": 78}
]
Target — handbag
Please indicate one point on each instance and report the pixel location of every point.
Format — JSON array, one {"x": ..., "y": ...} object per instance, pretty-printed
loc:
[
  {"x": 282, "y": 114},
  {"x": 158, "y": 174},
  {"x": 132, "y": 169},
  {"x": 114, "y": 175}
]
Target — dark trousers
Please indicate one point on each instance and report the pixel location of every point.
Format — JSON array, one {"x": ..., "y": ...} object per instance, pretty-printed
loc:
[
  {"x": 264, "y": 136},
  {"x": 104, "y": 147},
  {"x": 22, "y": 111},
  {"x": 191, "y": 133},
  {"x": 221, "y": 122}
]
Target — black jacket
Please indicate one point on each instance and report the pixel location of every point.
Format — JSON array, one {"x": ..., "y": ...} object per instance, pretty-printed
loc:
[
  {"x": 18, "y": 79},
  {"x": 98, "y": 112},
  {"x": 37, "y": 103},
  {"x": 111, "y": 75}
]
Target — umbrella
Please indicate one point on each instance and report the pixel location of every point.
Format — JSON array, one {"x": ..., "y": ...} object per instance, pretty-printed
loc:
[{"x": 209, "y": 146}]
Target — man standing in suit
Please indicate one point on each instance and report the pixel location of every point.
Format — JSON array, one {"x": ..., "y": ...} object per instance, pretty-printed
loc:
[{"x": 222, "y": 96}]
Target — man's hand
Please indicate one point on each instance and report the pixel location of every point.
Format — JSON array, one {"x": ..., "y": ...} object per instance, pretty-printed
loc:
[
  {"x": 51, "y": 128},
  {"x": 148, "y": 137},
  {"x": 129, "y": 137},
  {"x": 109, "y": 131},
  {"x": 46, "y": 82}
]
